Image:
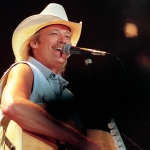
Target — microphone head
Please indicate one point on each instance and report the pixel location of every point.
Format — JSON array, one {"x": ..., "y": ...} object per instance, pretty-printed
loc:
[{"x": 66, "y": 49}]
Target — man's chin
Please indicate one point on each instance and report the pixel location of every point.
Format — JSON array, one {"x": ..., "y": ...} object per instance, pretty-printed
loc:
[{"x": 61, "y": 60}]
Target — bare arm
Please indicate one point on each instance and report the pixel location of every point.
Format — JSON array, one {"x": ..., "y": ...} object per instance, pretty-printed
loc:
[{"x": 16, "y": 105}]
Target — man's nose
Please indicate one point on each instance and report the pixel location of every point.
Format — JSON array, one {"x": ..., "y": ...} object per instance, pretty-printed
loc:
[{"x": 62, "y": 39}]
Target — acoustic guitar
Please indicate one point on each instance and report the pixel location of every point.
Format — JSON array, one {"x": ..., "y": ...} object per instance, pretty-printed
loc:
[{"x": 24, "y": 140}]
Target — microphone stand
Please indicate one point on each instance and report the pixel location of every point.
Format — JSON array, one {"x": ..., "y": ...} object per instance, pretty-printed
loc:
[{"x": 88, "y": 62}]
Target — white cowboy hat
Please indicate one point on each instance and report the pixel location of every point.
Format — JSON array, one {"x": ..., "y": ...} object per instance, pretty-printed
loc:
[{"x": 52, "y": 14}]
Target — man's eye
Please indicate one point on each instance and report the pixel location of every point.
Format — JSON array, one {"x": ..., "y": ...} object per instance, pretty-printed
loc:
[
  {"x": 68, "y": 37},
  {"x": 53, "y": 33}
]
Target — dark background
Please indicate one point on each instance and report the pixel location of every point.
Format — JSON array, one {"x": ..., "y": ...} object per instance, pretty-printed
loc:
[{"x": 119, "y": 93}]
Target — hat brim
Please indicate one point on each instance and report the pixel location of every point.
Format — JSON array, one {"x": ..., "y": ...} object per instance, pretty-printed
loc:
[{"x": 32, "y": 24}]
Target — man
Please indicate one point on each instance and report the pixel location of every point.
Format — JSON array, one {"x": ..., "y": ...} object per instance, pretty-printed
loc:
[{"x": 36, "y": 79}]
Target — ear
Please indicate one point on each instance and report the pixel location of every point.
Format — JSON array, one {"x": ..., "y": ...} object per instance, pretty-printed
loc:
[{"x": 33, "y": 44}]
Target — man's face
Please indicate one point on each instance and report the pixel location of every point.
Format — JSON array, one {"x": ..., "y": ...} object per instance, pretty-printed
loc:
[{"x": 52, "y": 38}]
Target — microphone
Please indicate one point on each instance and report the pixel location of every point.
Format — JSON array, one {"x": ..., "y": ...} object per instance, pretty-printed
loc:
[{"x": 68, "y": 50}]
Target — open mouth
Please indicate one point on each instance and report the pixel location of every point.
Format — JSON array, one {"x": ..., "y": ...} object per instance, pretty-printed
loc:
[
  {"x": 60, "y": 49},
  {"x": 61, "y": 53}
]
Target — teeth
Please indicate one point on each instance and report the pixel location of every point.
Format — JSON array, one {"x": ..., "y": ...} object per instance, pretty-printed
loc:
[{"x": 59, "y": 49}]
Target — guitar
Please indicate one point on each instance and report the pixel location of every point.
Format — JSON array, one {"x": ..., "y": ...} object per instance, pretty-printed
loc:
[{"x": 24, "y": 140}]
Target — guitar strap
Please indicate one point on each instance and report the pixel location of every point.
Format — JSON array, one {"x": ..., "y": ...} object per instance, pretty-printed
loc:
[
  {"x": 9, "y": 144},
  {"x": 4, "y": 121}
]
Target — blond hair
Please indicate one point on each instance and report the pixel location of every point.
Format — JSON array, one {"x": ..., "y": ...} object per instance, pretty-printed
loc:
[{"x": 24, "y": 54}]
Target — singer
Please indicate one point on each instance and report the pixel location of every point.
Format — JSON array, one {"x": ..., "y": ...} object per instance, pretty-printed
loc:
[{"x": 36, "y": 77}]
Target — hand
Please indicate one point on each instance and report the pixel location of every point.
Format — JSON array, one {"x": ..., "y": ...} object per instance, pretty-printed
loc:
[{"x": 88, "y": 145}]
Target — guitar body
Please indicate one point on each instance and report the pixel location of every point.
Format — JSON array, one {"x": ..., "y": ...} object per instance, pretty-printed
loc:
[
  {"x": 24, "y": 140},
  {"x": 104, "y": 138}
]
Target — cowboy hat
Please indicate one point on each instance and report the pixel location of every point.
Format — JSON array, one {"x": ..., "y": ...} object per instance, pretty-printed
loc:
[{"x": 52, "y": 14}]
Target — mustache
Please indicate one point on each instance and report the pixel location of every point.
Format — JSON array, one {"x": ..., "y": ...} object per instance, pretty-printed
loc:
[{"x": 58, "y": 46}]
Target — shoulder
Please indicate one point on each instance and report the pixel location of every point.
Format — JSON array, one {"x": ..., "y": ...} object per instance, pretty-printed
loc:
[
  {"x": 21, "y": 69},
  {"x": 20, "y": 73},
  {"x": 19, "y": 81}
]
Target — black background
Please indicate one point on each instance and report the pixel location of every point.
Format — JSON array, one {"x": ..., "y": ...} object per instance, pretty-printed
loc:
[{"x": 119, "y": 93}]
